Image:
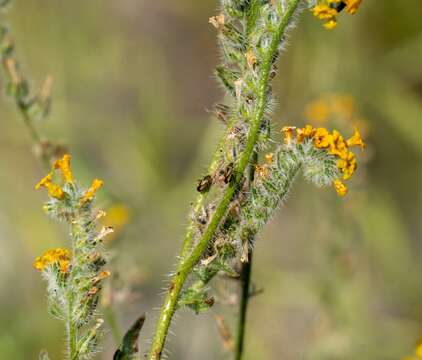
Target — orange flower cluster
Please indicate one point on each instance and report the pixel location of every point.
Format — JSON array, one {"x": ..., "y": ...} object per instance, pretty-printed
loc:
[
  {"x": 328, "y": 10},
  {"x": 334, "y": 144},
  {"x": 56, "y": 191},
  {"x": 58, "y": 256}
]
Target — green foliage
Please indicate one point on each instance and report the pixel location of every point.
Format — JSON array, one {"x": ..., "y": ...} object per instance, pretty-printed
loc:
[{"x": 129, "y": 350}]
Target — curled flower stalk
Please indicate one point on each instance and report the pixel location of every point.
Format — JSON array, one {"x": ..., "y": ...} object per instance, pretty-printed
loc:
[
  {"x": 74, "y": 276},
  {"x": 324, "y": 159}
]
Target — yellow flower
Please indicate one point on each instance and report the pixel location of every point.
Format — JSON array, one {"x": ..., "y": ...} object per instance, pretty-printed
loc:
[
  {"x": 331, "y": 24},
  {"x": 90, "y": 193},
  {"x": 45, "y": 181},
  {"x": 352, "y": 5},
  {"x": 338, "y": 145},
  {"x": 59, "y": 256},
  {"x": 356, "y": 140},
  {"x": 322, "y": 138},
  {"x": 288, "y": 133},
  {"x": 348, "y": 165},
  {"x": 324, "y": 12},
  {"x": 53, "y": 189},
  {"x": 340, "y": 188},
  {"x": 307, "y": 132},
  {"x": 334, "y": 144},
  {"x": 418, "y": 350},
  {"x": 64, "y": 165}
]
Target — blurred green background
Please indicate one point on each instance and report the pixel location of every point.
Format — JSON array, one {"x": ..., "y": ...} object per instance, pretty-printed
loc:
[{"x": 341, "y": 277}]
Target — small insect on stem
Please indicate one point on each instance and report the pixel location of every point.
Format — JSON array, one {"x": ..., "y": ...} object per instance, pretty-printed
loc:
[
  {"x": 228, "y": 173},
  {"x": 204, "y": 184}
]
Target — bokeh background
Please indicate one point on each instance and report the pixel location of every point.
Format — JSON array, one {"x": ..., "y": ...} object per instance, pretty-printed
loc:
[{"x": 341, "y": 277}]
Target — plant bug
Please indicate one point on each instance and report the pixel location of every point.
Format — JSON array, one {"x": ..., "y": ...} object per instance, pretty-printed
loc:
[{"x": 204, "y": 184}]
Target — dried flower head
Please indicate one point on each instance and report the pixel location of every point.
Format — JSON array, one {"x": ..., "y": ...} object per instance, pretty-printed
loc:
[{"x": 218, "y": 21}]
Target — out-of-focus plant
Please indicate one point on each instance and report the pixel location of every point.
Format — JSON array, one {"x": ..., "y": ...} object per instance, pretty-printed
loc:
[
  {"x": 33, "y": 107},
  {"x": 74, "y": 277},
  {"x": 418, "y": 352}
]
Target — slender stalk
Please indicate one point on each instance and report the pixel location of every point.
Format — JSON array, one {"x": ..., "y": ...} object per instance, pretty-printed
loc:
[
  {"x": 36, "y": 137},
  {"x": 186, "y": 264},
  {"x": 187, "y": 242},
  {"x": 245, "y": 281},
  {"x": 245, "y": 278}
]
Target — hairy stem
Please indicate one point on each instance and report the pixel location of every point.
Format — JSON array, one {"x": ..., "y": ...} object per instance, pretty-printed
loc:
[{"x": 186, "y": 264}]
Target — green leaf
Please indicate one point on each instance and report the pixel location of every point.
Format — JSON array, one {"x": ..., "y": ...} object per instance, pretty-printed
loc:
[{"x": 128, "y": 349}]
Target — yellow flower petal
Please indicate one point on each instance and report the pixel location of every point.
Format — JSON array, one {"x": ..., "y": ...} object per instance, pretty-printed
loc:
[
  {"x": 58, "y": 256},
  {"x": 324, "y": 12},
  {"x": 352, "y": 6},
  {"x": 53, "y": 189},
  {"x": 90, "y": 193},
  {"x": 45, "y": 181},
  {"x": 341, "y": 189},
  {"x": 418, "y": 349},
  {"x": 64, "y": 165},
  {"x": 322, "y": 138},
  {"x": 331, "y": 24},
  {"x": 356, "y": 140}
]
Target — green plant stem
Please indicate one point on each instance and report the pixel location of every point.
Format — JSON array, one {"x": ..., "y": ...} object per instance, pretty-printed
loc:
[
  {"x": 187, "y": 242},
  {"x": 245, "y": 279},
  {"x": 186, "y": 264}
]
